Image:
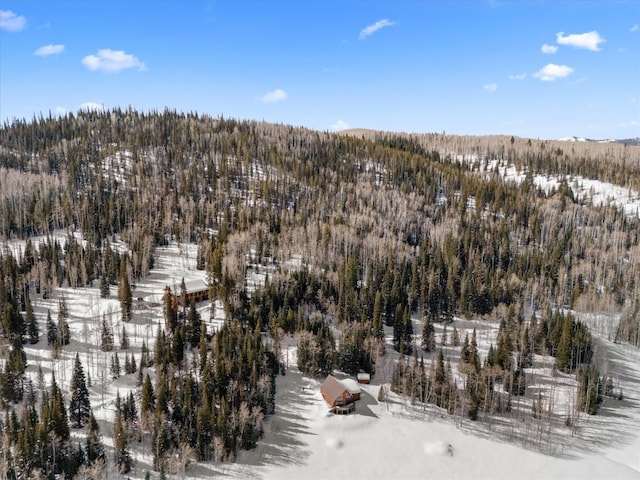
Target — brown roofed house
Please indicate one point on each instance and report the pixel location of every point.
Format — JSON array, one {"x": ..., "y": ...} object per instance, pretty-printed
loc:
[
  {"x": 337, "y": 395},
  {"x": 197, "y": 290}
]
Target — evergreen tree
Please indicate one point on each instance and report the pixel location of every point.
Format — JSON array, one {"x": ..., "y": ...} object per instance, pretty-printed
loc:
[
  {"x": 124, "y": 293},
  {"x": 57, "y": 414},
  {"x": 428, "y": 335},
  {"x": 122, "y": 457},
  {"x": 115, "y": 366},
  {"x": 194, "y": 322},
  {"x": 402, "y": 331},
  {"x": 147, "y": 403},
  {"x": 129, "y": 411},
  {"x": 64, "y": 334},
  {"x": 124, "y": 338},
  {"x": 79, "y": 406},
  {"x": 132, "y": 365},
  {"x": 474, "y": 357},
  {"x": 376, "y": 321},
  {"x": 104, "y": 286},
  {"x": 33, "y": 330},
  {"x": 12, "y": 376},
  {"x": 145, "y": 361},
  {"x": 106, "y": 336},
  {"x": 456, "y": 337},
  {"x": 465, "y": 353},
  {"x": 590, "y": 388},
  {"x": 52, "y": 330},
  {"x": 564, "y": 351},
  {"x": 170, "y": 313},
  {"x": 94, "y": 448}
]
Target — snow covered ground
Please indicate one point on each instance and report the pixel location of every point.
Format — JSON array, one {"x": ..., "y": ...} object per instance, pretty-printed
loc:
[
  {"x": 590, "y": 191},
  {"x": 393, "y": 439},
  {"x": 397, "y": 440}
]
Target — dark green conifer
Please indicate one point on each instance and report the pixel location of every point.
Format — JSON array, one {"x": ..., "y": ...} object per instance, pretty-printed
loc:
[{"x": 79, "y": 405}]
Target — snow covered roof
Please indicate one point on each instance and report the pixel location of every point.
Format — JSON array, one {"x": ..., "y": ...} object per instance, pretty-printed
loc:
[
  {"x": 332, "y": 388},
  {"x": 192, "y": 285},
  {"x": 351, "y": 385},
  {"x": 363, "y": 376}
]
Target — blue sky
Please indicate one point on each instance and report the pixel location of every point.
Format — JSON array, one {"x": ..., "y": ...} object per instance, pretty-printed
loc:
[{"x": 540, "y": 69}]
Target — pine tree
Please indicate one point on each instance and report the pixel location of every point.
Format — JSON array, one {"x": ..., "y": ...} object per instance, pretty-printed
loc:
[
  {"x": 104, "y": 286},
  {"x": 203, "y": 345},
  {"x": 194, "y": 321},
  {"x": 123, "y": 458},
  {"x": 456, "y": 337},
  {"x": 428, "y": 335},
  {"x": 94, "y": 448},
  {"x": 52, "y": 330},
  {"x": 79, "y": 406},
  {"x": 129, "y": 411},
  {"x": 127, "y": 365},
  {"x": 124, "y": 293},
  {"x": 564, "y": 350},
  {"x": 466, "y": 351},
  {"x": 474, "y": 357},
  {"x": 590, "y": 388},
  {"x": 115, "y": 366},
  {"x": 33, "y": 330},
  {"x": 170, "y": 313},
  {"x": 204, "y": 430},
  {"x": 124, "y": 338},
  {"x": 132, "y": 365},
  {"x": 12, "y": 377},
  {"x": 376, "y": 321},
  {"x": 64, "y": 334},
  {"x": 57, "y": 413},
  {"x": 106, "y": 336},
  {"x": 147, "y": 403}
]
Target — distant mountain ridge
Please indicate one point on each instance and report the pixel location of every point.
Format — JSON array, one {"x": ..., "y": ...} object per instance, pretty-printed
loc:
[
  {"x": 371, "y": 133},
  {"x": 626, "y": 141}
]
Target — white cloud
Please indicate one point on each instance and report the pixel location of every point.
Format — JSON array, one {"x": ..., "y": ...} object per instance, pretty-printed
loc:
[
  {"x": 275, "y": 96},
  {"x": 373, "y": 28},
  {"x": 11, "y": 22},
  {"x": 589, "y": 40},
  {"x": 518, "y": 76},
  {"x": 61, "y": 111},
  {"x": 339, "y": 125},
  {"x": 634, "y": 28},
  {"x": 91, "y": 107},
  {"x": 490, "y": 87},
  {"x": 112, "y": 61},
  {"x": 47, "y": 50},
  {"x": 549, "y": 48},
  {"x": 552, "y": 72},
  {"x": 632, "y": 123}
]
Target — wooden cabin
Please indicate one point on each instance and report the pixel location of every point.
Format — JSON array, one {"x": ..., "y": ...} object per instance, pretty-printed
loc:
[
  {"x": 335, "y": 393},
  {"x": 195, "y": 290},
  {"x": 352, "y": 386},
  {"x": 364, "y": 378}
]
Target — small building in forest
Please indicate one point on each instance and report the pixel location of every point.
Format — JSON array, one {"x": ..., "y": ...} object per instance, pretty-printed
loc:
[
  {"x": 194, "y": 290},
  {"x": 339, "y": 396},
  {"x": 352, "y": 386},
  {"x": 335, "y": 393},
  {"x": 364, "y": 378}
]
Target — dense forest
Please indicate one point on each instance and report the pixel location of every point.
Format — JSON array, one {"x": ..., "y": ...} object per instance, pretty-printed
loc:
[{"x": 387, "y": 227}]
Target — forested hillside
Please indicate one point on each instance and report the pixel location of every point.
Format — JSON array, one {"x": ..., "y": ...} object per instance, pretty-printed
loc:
[{"x": 360, "y": 231}]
